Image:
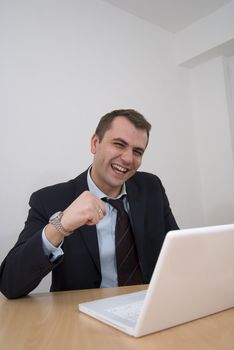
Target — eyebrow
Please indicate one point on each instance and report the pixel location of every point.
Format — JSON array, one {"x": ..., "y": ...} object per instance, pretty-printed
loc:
[{"x": 119, "y": 139}]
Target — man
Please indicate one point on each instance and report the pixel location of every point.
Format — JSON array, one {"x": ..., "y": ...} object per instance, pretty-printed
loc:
[{"x": 70, "y": 229}]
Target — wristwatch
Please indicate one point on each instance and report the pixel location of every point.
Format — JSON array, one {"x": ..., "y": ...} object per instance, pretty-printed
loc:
[{"x": 55, "y": 220}]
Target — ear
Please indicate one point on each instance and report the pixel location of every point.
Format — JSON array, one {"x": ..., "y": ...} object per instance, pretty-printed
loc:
[{"x": 94, "y": 143}]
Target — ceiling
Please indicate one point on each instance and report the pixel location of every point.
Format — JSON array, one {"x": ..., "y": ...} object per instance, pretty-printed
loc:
[{"x": 171, "y": 15}]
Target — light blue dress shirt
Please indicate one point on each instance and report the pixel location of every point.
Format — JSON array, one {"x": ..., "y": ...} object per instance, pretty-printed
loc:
[{"x": 105, "y": 234}]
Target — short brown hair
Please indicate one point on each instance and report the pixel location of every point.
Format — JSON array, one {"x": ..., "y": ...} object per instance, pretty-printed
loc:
[{"x": 137, "y": 119}]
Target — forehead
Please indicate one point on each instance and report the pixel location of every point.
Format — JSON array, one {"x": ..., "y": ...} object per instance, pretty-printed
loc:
[{"x": 122, "y": 128}]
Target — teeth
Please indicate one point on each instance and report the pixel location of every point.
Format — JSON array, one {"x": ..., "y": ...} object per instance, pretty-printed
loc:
[{"x": 119, "y": 168}]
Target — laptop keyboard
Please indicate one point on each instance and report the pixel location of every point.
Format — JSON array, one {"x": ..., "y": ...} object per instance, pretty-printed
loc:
[{"x": 129, "y": 311}]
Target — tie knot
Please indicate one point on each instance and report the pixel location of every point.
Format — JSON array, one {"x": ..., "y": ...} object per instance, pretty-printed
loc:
[{"x": 116, "y": 203}]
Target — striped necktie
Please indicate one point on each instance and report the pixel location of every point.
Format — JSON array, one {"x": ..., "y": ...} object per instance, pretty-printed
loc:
[{"x": 127, "y": 262}]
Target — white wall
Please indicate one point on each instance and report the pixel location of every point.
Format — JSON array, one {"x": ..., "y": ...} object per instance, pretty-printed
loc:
[
  {"x": 65, "y": 63},
  {"x": 207, "y": 38},
  {"x": 202, "y": 47},
  {"x": 229, "y": 76},
  {"x": 214, "y": 141}
]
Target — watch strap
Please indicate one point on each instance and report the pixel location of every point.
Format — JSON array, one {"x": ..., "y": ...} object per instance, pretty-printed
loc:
[{"x": 55, "y": 220}]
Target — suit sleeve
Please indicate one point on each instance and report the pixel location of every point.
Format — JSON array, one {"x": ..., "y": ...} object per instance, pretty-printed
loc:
[{"x": 26, "y": 264}]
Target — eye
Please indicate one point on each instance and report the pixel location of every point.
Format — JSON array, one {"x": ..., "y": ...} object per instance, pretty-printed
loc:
[
  {"x": 138, "y": 153},
  {"x": 119, "y": 144}
]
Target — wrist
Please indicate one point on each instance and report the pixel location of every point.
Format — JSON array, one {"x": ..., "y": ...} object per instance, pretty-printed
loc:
[
  {"x": 53, "y": 236},
  {"x": 56, "y": 221}
]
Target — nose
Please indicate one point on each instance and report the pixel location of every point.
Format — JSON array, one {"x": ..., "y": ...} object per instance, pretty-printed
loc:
[{"x": 127, "y": 156}]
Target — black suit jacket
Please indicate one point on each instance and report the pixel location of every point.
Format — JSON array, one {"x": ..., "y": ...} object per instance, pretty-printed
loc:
[{"x": 79, "y": 268}]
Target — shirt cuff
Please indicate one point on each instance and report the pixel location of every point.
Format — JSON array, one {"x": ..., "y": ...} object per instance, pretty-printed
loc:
[{"x": 50, "y": 250}]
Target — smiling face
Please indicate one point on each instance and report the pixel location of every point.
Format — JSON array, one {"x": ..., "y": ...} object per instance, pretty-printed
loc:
[{"x": 117, "y": 156}]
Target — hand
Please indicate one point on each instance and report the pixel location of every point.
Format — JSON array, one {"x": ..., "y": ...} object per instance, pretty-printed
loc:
[{"x": 86, "y": 209}]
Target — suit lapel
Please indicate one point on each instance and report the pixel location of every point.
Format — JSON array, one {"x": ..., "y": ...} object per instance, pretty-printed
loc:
[
  {"x": 89, "y": 236},
  {"x": 88, "y": 233},
  {"x": 137, "y": 209}
]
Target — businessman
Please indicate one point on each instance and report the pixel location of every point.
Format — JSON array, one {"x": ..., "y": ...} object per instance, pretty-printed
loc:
[{"x": 102, "y": 229}]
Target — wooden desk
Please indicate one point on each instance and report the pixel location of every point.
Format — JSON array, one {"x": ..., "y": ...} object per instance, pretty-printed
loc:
[{"x": 52, "y": 321}]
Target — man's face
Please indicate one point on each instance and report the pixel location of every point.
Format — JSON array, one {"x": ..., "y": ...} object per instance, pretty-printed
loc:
[{"x": 118, "y": 156}]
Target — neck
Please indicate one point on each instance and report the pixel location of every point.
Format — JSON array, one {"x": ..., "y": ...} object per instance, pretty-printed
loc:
[{"x": 109, "y": 191}]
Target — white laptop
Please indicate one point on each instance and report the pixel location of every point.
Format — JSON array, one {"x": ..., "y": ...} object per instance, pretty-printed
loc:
[{"x": 193, "y": 278}]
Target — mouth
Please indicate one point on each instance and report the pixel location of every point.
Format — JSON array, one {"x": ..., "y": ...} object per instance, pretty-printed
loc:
[{"x": 119, "y": 169}]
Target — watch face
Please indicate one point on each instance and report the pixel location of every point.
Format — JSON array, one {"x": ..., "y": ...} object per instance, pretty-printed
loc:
[{"x": 58, "y": 214}]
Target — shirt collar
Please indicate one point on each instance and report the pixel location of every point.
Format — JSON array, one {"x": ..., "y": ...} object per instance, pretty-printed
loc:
[{"x": 97, "y": 192}]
